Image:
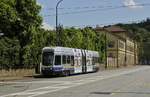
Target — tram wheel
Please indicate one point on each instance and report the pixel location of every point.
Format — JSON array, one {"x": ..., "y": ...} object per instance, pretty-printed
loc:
[{"x": 65, "y": 73}]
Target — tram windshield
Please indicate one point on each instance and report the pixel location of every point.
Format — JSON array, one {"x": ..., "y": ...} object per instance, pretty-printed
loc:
[{"x": 48, "y": 58}]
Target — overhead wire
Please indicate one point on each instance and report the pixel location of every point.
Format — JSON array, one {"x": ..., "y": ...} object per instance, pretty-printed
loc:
[
  {"x": 104, "y": 24},
  {"x": 98, "y": 9},
  {"x": 81, "y": 7},
  {"x": 85, "y": 7}
]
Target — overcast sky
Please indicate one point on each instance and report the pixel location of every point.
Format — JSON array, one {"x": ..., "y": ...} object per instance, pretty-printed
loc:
[{"x": 94, "y": 12}]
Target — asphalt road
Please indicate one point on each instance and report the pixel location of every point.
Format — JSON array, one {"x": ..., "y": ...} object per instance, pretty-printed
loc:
[{"x": 125, "y": 82}]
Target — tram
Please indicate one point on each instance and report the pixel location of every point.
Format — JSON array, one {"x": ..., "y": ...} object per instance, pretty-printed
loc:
[{"x": 66, "y": 61}]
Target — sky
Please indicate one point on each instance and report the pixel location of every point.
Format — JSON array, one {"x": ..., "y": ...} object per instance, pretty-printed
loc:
[{"x": 80, "y": 13}]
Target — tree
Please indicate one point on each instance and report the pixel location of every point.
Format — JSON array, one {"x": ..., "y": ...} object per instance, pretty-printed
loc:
[
  {"x": 8, "y": 17},
  {"x": 28, "y": 23},
  {"x": 71, "y": 37},
  {"x": 20, "y": 18},
  {"x": 100, "y": 44},
  {"x": 88, "y": 41},
  {"x": 9, "y": 52},
  {"x": 40, "y": 39}
]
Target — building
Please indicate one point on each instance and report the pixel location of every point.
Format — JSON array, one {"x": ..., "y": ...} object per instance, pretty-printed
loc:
[{"x": 121, "y": 50}]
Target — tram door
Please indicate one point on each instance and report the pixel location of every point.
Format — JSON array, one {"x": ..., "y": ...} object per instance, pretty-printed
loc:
[{"x": 84, "y": 61}]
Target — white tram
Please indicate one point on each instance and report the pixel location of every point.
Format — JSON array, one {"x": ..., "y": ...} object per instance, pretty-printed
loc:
[{"x": 65, "y": 61}]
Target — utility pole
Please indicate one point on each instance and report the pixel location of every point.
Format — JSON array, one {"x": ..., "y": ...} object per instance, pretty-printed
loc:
[
  {"x": 105, "y": 50},
  {"x": 57, "y": 28},
  {"x": 126, "y": 48}
]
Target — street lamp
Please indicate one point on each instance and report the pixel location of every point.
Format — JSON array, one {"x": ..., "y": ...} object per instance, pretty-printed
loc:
[{"x": 58, "y": 43}]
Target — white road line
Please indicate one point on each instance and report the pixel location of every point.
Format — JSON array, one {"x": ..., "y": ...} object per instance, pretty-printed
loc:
[
  {"x": 52, "y": 86},
  {"x": 41, "y": 93},
  {"x": 74, "y": 84},
  {"x": 35, "y": 91}
]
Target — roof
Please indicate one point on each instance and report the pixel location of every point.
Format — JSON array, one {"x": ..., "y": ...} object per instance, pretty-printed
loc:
[
  {"x": 99, "y": 28},
  {"x": 114, "y": 29},
  {"x": 111, "y": 29}
]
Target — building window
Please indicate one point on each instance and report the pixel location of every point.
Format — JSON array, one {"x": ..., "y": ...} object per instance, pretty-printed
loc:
[
  {"x": 111, "y": 55},
  {"x": 130, "y": 48},
  {"x": 111, "y": 44},
  {"x": 121, "y": 45}
]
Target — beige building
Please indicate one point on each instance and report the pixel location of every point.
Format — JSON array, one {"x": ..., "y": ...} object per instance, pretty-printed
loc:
[{"x": 121, "y": 50}]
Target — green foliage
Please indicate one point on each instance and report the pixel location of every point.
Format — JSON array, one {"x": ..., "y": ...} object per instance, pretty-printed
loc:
[
  {"x": 71, "y": 37},
  {"x": 28, "y": 20},
  {"x": 19, "y": 19},
  {"x": 88, "y": 38},
  {"x": 33, "y": 50},
  {"x": 8, "y": 17},
  {"x": 9, "y": 51},
  {"x": 100, "y": 45}
]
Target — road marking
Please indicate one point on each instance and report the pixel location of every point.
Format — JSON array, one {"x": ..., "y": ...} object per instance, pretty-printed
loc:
[
  {"x": 43, "y": 90},
  {"x": 69, "y": 84}
]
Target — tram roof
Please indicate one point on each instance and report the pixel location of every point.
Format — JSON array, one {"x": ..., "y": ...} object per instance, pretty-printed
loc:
[{"x": 70, "y": 51}]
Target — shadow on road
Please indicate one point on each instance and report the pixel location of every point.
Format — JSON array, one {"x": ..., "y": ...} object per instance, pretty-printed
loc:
[
  {"x": 57, "y": 76},
  {"x": 109, "y": 93},
  {"x": 46, "y": 76}
]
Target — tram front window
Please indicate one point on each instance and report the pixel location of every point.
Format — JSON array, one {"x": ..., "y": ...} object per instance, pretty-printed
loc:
[
  {"x": 48, "y": 58},
  {"x": 57, "y": 60}
]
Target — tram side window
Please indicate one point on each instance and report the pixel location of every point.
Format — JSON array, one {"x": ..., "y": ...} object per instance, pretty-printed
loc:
[
  {"x": 72, "y": 60},
  {"x": 68, "y": 59},
  {"x": 64, "y": 59},
  {"x": 57, "y": 60},
  {"x": 93, "y": 61}
]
